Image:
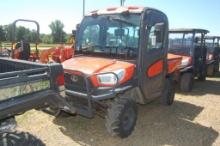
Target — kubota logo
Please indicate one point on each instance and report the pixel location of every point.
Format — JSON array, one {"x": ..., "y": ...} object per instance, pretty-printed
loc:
[{"x": 74, "y": 78}]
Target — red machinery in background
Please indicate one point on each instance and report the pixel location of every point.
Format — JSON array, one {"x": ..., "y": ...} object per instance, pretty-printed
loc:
[{"x": 22, "y": 50}]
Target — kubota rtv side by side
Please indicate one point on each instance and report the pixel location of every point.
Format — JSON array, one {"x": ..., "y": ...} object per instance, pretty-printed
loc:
[
  {"x": 190, "y": 44},
  {"x": 213, "y": 54},
  {"x": 120, "y": 60}
]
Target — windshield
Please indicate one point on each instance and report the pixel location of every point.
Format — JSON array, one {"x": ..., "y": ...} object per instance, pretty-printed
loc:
[
  {"x": 209, "y": 43},
  {"x": 109, "y": 34},
  {"x": 180, "y": 43}
]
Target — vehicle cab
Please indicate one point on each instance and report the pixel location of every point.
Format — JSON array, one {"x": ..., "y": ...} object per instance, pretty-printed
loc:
[{"x": 116, "y": 41}]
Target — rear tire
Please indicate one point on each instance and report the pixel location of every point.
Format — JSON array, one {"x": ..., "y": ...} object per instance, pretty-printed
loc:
[
  {"x": 121, "y": 117},
  {"x": 217, "y": 68},
  {"x": 186, "y": 82},
  {"x": 169, "y": 92},
  {"x": 202, "y": 75},
  {"x": 211, "y": 70},
  {"x": 19, "y": 139}
]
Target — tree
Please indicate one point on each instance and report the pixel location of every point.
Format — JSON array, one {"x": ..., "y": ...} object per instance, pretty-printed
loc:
[
  {"x": 2, "y": 34},
  {"x": 22, "y": 33},
  {"x": 57, "y": 31},
  {"x": 46, "y": 38},
  {"x": 8, "y": 30}
]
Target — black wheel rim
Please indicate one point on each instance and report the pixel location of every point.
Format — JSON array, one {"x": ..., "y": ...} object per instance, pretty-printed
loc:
[{"x": 128, "y": 119}]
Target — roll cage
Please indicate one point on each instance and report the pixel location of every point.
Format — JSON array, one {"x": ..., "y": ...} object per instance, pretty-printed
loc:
[{"x": 197, "y": 39}]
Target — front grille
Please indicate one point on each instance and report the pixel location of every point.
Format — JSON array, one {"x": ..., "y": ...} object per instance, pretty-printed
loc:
[{"x": 76, "y": 83}]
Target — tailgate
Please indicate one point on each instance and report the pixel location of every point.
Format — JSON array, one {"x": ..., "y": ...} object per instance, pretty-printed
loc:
[{"x": 20, "y": 83}]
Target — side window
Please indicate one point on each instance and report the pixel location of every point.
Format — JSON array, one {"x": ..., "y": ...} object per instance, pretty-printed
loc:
[
  {"x": 91, "y": 35},
  {"x": 156, "y": 37}
]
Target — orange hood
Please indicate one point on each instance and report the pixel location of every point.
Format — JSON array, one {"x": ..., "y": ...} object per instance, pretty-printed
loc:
[{"x": 91, "y": 65}]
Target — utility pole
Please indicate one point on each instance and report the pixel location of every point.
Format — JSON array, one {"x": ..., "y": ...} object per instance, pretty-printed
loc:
[
  {"x": 122, "y": 2},
  {"x": 84, "y": 7}
]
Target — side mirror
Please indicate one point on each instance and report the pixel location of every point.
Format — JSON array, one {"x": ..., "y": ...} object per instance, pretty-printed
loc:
[
  {"x": 77, "y": 26},
  {"x": 159, "y": 32},
  {"x": 74, "y": 33}
]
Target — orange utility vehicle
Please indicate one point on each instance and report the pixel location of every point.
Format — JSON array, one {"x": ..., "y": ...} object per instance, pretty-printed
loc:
[
  {"x": 189, "y": 43},
  {"x": 120, "y": 60}
]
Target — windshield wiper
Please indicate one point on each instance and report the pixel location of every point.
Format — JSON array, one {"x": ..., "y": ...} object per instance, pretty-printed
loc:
[
  {"x": 90, "y": 47},
  {"x": 128, "y": 49}
]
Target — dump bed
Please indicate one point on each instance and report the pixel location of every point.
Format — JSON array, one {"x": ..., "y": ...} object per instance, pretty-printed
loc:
[{"x": 174, "y": 62}]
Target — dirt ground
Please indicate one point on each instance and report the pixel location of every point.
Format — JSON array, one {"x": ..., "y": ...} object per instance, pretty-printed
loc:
[{"x": 193, "y": 120}]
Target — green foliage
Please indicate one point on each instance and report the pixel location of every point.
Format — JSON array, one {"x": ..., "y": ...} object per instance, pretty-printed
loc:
[
  {"x": 21, "y": 33},
  {"x": 58, "y": 33},
  {"x": 57, "y": 36},
  {"x": 2, "y": 34},
  {"x": 8, "y": 29},
  {"x": 46, "y": 38}
]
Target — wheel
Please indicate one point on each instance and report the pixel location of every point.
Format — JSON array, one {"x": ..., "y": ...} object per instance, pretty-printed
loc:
[
  {"x": 8, "y": 124},
  {"x": 202, "y": 75},
  {"x": 169, "y": 92},
  {"x": 217, "y": 68},
  {"x": 121, "y": 117},
  {"x": 211, "y": 70},
  {"x": 19, "y": 139},
  {"x": 186, "y": 82}
]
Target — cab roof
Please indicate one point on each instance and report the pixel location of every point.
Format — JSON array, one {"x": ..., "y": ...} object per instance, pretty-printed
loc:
[
  {"x": 117, "y": 10},
  {"x": 212, "y": 37},
  {"x": 188, "y": 30}
]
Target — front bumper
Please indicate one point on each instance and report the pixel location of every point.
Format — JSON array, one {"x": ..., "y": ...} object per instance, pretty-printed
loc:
[
  {"x": 185, "y": 69},
  {"x": 105, "y": 94}
]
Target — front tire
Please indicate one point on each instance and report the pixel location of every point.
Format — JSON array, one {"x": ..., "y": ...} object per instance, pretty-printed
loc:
[
  {"x": 169, "y": 92},
  {"x": 121, "y": 117},
  {"x": 186, "y": 82},
  {"x": 217, "y": 68},
  {"x": 202, "y": 75},
  {"x": 19, "y": 139}
]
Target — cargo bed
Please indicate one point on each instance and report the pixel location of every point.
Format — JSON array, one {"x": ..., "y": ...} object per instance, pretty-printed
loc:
[{"x": 27, "y": 85}]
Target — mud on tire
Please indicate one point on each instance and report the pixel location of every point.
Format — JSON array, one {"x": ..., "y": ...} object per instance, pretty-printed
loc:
[
  {"x": 19, "y": 139},
  {"x": 121, "y": 117},
  {"x": 186, "y": 82}
]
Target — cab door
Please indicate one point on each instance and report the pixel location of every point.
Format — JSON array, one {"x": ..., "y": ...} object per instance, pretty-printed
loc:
[{"x": 153, "y": 48}]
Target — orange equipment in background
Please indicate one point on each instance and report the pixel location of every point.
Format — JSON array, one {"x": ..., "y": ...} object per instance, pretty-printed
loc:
[{"x": 57, "y": 54}]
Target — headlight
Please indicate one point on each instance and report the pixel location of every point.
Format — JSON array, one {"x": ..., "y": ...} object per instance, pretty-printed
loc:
[
  {"x": 185, "y": 62},
  {"x": 110, "y": 79},
  {"x": 210, "y": 57}
]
